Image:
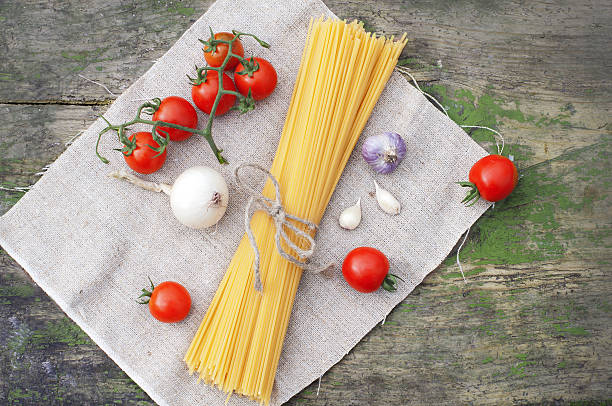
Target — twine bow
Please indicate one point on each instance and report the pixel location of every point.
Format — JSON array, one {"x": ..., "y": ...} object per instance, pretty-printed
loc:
[{"x": 274, "y": 208}]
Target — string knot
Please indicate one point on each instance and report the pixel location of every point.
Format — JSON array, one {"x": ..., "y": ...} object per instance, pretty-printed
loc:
[
  {"x": 274, "y": 208},
  {"x": 277, "y": 211}
]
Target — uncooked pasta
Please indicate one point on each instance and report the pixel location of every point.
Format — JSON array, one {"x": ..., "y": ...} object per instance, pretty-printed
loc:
[{"x": 343, "y": 71}]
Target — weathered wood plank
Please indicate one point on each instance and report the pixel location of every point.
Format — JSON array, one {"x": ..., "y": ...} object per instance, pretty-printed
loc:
[
  {"x": 34, "y": 136},
  {"x": 540, "y": 49},
  {"x": 45, "y": 358},
  {"x": 47, "y": 44},
  {"x": 532, "y": 324}
]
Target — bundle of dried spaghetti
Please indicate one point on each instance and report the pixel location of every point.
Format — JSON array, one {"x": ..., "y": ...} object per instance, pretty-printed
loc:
[{"x": 342, "y": 74}]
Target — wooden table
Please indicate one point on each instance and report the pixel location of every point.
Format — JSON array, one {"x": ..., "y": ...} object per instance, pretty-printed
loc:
[{"x": 533, "y": 323}]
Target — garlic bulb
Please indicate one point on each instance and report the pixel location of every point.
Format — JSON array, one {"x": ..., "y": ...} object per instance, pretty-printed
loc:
[
  {"x": 387, "y": 201},
  {"x": 351, "y": 216},
  {"x": 384, "y": 151}
]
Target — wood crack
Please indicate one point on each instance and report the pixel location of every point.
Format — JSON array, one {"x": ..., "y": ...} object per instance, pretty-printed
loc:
[{"x": 104, "y": 102}]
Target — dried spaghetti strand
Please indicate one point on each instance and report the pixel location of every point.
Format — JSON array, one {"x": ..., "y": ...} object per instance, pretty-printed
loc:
[{"x": 342, "y": 73}]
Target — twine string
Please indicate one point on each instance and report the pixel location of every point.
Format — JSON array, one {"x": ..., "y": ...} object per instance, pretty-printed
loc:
[
  {"x": 99, "y": 84},
  {"x": 500, "y": 148},
  {"x": 459, "y": 250},
  {"x": 274, "y": 208}
]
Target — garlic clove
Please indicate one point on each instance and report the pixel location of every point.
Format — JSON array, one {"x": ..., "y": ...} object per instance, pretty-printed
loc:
[
  {"x": 351, "y": 216},
  {"x": 387, "y": 202}
]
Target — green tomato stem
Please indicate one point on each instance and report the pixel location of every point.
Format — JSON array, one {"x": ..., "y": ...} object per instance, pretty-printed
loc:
[
  {"x": 390, "y": 282},
  {"x": 145, "y": 296},
  {"x": 150, "y": 107},
  {"x": 472, "y": 195}
]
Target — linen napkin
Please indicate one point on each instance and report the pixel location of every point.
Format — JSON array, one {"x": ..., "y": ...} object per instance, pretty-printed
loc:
[{"x": 91, "y": 241}]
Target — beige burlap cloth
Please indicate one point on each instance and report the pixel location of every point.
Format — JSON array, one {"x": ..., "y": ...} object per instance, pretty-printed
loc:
[{"x": 91, "y": 241}]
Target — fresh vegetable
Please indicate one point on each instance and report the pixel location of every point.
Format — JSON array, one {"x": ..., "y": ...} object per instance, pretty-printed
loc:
[
  {"x": 218, "y": 103},
  {"x": 365, "y": 269},
  {"x": 144, "y": 156},
  {"x": 176, "y": 110},
  {"x": 384, "y": 151},
  {"x": 204, "y": 94},
  {"x": 351, "y": 216},
  {"x": 198, "y": 197},
  {"x": 215, "y": 51},
  {"x": 493, "y": 178},
  {"x": 387, "y": 202},
  {"x": 150, "y": 108},
  {"x": 169, "y": 302},
  {"x": 256, "y": 75}
]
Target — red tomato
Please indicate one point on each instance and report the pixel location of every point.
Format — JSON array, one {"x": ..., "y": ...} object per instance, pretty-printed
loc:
[
  {"x": 495, "y": 177},
  {"x": 261, "y": 82},
  {"x": 215, "y": 59},
  {"x": 179, "y": 111},
  {"x": 366, "y": 268},
  {"x": 143, "y": 159},
  {"x": 170, "y": 302},
  {"x": 204, "y": 94}
]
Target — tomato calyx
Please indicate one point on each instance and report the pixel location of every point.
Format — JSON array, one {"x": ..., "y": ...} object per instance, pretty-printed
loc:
[
  {"x": 201, "y": 74},
  {"x": 472, "y": 195},
  {"x": 245, "y": 104},
  {"x": 151, "y": 106},
  {"x": 145, "y": 296},
  {"x": 211, "y": 44},
  {"x": 390, "y": 282},
  {"x": 249, "y": 67}
]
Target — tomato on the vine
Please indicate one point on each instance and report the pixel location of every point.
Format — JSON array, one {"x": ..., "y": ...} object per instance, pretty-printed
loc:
[
  {"x": 365, "y": 269},
  {"x": 259, "y": 76},
  {"x": 215, "y": 57},
  {"x": 204, "y": 94},
  {"x": 179, "y": 111},
  {"x": 493, "y": 178},
  {"x": 169, "y": 302},
  {"x": 143, "y": 159}
]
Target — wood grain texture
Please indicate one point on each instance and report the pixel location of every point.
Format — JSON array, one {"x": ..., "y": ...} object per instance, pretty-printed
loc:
[{"x": 532, "y": 325}]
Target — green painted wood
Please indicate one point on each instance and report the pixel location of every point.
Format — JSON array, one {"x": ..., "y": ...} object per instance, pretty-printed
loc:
[{"x": 533, "y": 322}]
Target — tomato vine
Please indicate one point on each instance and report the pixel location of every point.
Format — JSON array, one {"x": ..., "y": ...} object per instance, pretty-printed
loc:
[{"x": 245, "y": 104}]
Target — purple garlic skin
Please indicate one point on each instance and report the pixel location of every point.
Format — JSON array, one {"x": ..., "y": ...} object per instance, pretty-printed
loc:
[{"x": 384, "y": 151}]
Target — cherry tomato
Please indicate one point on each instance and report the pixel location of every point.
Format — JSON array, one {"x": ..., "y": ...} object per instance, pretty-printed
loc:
[
  {"x": 215, "y": 59},
  {"x": 204, "y": 94},
  {"x": 143, "y": 159},
  {"x": 366, "y": 268},
  {"x": 169, "y": 302},
  {"x": 493, "y": 178},
  {"x": 176, "y": 110},
  {"x": 261, "y": 82}
]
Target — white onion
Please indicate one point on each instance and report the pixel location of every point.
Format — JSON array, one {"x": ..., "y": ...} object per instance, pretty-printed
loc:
[{"x": 198, "y": 197}]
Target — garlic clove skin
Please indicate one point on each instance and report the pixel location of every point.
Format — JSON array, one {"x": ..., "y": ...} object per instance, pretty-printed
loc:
[
  {"x": 387, "y": 202},
  {"x": 351, "y": 216}
]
